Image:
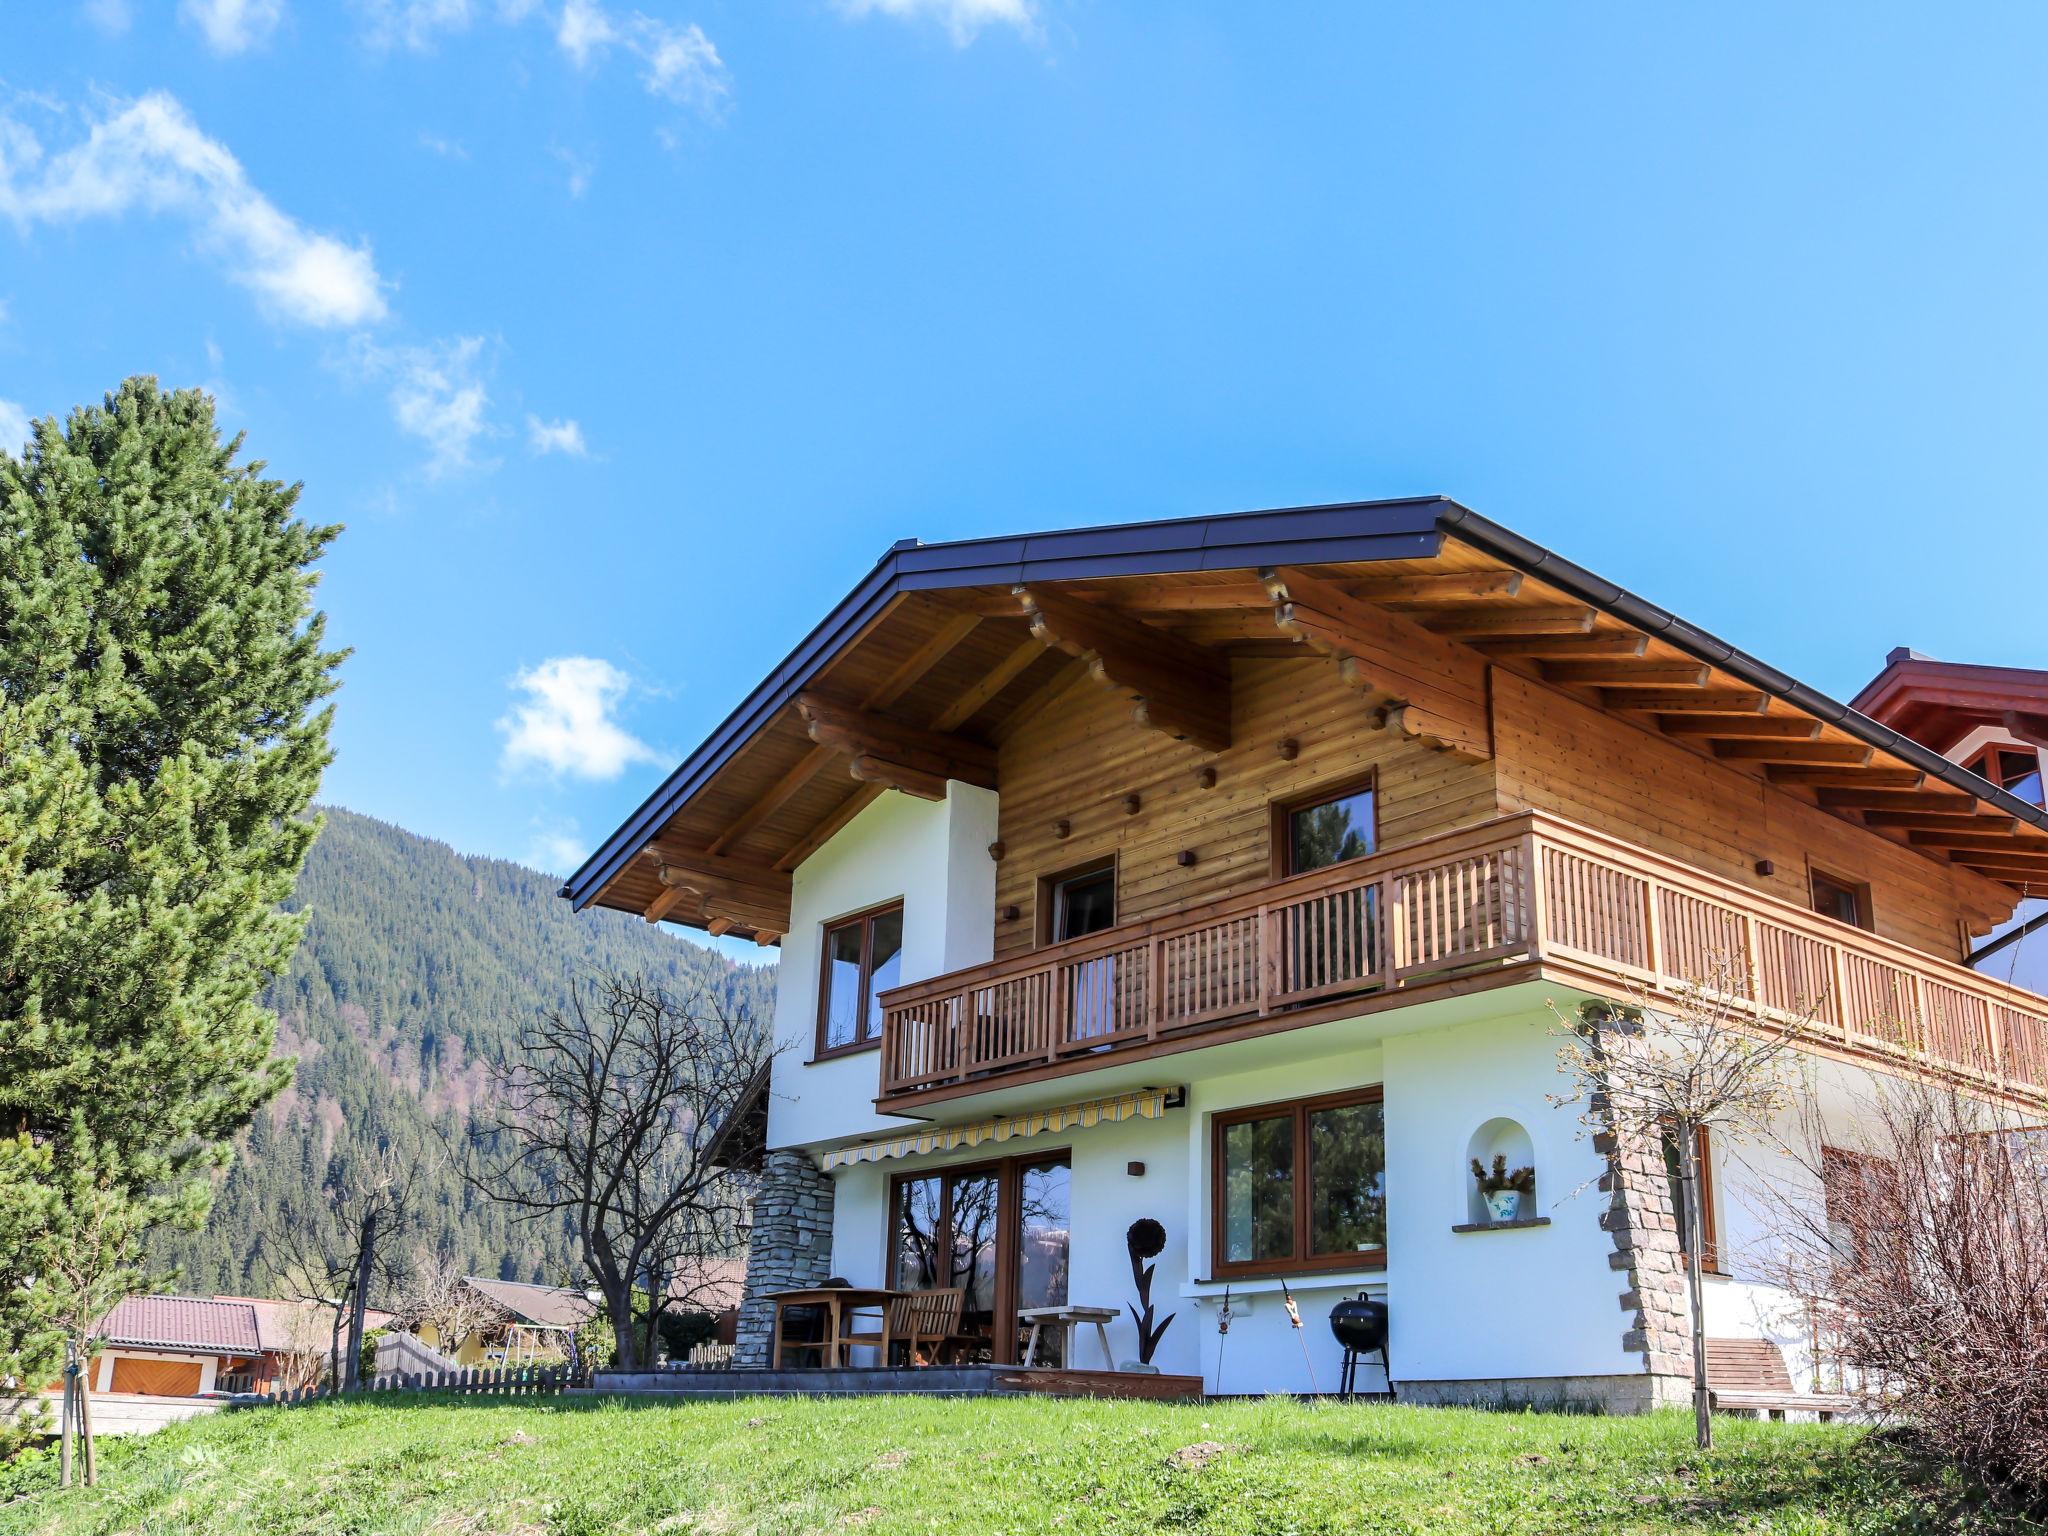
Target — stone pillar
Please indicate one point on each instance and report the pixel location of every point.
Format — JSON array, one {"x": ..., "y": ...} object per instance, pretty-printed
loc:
[
  {"x": 790, "y": 1245},
  {"x": 1643, "y": 1223}
]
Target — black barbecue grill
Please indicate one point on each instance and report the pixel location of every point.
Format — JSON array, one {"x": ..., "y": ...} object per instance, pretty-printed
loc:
[{"x": 1360, "y": 1324}]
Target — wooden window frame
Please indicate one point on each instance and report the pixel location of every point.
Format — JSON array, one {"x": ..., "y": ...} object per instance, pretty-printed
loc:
[
  {"x": 1280, "y": 831},
  {"x": 1710, "y": 1243},
  {"x": 1009, "y": 1172},
  {"x": 820, "y": 1051},
  {"x": 1301, "y": 1261},
  {"x": 1859, "y": 889},
  {"x": 1988, "y": 763},
  {"x": 1044, "y": 918}
]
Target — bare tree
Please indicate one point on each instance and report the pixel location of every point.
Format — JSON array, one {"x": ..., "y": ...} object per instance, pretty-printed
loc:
[
  {"x": 441, "y": 1296},
  {"x": 1656, "y": 1072},
  {"x": 1918, "y": 1239},
  {"x": 331, "y": 1251},
  {"x": 605, "y": 1113},
  {"x": 304, "y": 1358}
]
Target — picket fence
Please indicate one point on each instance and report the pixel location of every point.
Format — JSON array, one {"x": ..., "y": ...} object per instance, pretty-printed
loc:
[{"x": 514, "y": 1381}]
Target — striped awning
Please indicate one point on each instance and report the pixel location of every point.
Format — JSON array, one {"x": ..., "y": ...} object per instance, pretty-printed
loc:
[{"x": 1140, "y": 1104}]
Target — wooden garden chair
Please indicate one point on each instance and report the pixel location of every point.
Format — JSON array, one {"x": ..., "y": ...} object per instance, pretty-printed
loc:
[{"x": 925, "y": 1323}]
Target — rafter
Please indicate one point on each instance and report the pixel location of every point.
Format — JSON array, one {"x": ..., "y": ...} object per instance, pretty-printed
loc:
[
  {"x": 749, "y": 894},
  {"x": 1793, "y": 751},
  {"x": 1729, "y": 727},
  {"x": 1625, "y": 674},
  {"x": 1494, "y": 623},
  {"x": 1936, "y": 821},
  {"x": 778, "y": 794},
  {"x": 1696, "y": 701},
  {"x": 1436, "y": 690},
  {"x": 1428, "y": 591},
  {"x": 664, "y": 903},
  {"x": 1979, "y": 841},
  {"x": 1174, "y": 685},
  {"x": 862, "y": 733},
  {"x": 1790, "y": 774},
  {"x": 1946, "y": 801},
  {"x": 1565, "y": 647},
  {"x": 1039, "y": 698},
  {"x": 862, "y": 797},
  {"x": 920, "y": 661},
  {"x": 1005, "y": 672}
]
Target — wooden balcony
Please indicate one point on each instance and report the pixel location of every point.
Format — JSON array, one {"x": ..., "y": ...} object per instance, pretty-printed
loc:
[{"x": 1523, "y": 897}]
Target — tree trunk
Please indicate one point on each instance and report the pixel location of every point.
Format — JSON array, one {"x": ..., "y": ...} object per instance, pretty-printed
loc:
[
  {"x": 1689, "y": 1186},
  {"x": 618, "y": 1302},
  {"x": 364, "y": 1255},
  {"x": 334, "y": 1343},
  {"x": 68, "y": 1419},
  {"x": 91, "y": 1457}
]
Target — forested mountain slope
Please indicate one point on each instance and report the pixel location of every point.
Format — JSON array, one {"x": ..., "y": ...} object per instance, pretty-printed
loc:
[{"x": 417, "y": 965}]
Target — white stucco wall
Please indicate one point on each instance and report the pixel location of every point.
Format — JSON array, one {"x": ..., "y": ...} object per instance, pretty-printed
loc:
[{"x": 934, "y": 858}]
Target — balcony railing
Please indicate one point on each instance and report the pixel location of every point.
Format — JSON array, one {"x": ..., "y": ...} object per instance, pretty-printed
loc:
[{"x": 1524, "y": 893}]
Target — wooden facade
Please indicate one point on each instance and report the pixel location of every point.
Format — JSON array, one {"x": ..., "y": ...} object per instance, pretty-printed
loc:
[{"x": 1155, "y": 717}]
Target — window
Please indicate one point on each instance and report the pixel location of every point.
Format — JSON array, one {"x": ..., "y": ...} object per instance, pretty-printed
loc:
[
  {"x": 1842, "y": 900},
  {"x": 1328, "y": 829},
  {"x": 2016, "y": 770},
  {"x": 1077, "y": 902},
  {"x": 1857, "y": 1190},
  {"x": 863, "y": 958},
  {"x": 1301, "y": 1186},
  {"x": 1674, "y": 1173}
]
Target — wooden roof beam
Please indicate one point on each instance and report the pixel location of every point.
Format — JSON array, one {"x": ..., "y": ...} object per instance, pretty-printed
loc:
[
  {"x": 1900, "y": 800},
  {"x": 1625, "y": 674},
  {"x": 1937, "y": 821},
  {"x": 1790, "y": 774},
  {"x": 861, "y": 733},
  {"x": 1428, "y": 591},
  {"x": 1566, "y": 647},
  {"x": 1695, "y": 701},
  {"x": 1005, "y": 672},
  {"x": 1494, "y": 623},
  {"x": 1978, "y": 841},
  {"x": 1174, "y": 685},
  {"x": 1851, "y": 752},
  {"x": 1436, "y": 689},
  {"x": 1732, "y": 727}
]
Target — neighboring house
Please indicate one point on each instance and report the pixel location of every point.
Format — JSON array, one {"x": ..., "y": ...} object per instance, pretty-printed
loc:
[
  {"x": 185, "y": 1346},
  {"x": 1225, "y": 871},
  {"x": 525, "y": 1324}
]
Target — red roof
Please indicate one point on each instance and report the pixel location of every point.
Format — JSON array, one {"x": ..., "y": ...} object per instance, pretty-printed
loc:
[
  {"x": 1938, "y": 703},
  {"x": 197, "y": 1324}
]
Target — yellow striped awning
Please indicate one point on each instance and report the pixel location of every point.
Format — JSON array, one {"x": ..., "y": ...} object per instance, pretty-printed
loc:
[{"x": 1140, "y": 1104}]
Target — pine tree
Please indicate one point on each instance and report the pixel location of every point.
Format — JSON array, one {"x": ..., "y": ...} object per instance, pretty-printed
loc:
[{"x": 162, "y": 732}]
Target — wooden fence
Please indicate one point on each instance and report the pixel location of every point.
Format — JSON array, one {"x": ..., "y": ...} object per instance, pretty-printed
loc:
[{"x": 517, "y": 1381}]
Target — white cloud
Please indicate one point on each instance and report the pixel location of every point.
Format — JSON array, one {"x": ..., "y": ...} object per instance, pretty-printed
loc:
[
  {"x": 556, "y": 849},
  {"x": 447, "y": 149},
  {"x": 233, "y": 26},
  {"x": 413, "y": 23},
  {"x": 565, "y": 722},
  {"x": 564, "y": 436},
  {"x": 438, "y": 395},
  {"x": 14, "y": 428},
  {"x": 580, "y": 170},
  {"x": 113, "y": 17},
  {"x": 150, "y": 154},
  {"x": 963, "y": 19},
  {"x": 680, "y": 63},
  {"x": 584, "y": 32}
]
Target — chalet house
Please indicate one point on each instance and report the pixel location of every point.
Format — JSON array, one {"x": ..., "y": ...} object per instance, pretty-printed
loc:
[
  {"x": 1226, "y": 872},
  {"x": 526, "y": 1324},
  {"x": 191, "y": 1346}
]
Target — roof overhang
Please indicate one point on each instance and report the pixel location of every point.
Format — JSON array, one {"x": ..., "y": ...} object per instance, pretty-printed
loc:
[{"x": 898, "y": 637}]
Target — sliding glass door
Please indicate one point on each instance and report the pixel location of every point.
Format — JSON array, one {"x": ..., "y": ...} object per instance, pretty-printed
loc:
[{"x": 998, "y": 1232}]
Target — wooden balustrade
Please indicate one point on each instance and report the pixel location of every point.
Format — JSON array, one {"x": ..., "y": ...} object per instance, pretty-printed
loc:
[{"x": 1522, "y": 895}]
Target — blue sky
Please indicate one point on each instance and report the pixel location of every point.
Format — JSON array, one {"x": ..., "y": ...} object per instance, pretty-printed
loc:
[{"x": 625, "y": 338}]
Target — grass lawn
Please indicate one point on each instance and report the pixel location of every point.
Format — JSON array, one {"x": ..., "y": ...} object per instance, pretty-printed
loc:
[{"x": 568, "y": 1467}]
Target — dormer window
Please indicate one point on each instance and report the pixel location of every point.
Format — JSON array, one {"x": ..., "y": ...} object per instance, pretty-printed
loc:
[{"x": 2016, "y": 770}]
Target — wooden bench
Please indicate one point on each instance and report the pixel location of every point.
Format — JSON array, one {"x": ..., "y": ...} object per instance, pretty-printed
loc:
[{"x": 1748, "y": 1376}]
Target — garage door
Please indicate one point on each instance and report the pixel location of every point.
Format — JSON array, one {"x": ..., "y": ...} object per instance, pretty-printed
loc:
[{"x": 164, "y": 1378}]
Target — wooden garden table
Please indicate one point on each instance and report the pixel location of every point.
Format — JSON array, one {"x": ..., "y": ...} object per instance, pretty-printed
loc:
[{"x": 838, "y": 1301}]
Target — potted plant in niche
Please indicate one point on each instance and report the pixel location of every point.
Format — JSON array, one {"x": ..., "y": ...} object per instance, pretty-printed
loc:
[
  {"x": 1502, "y": 1187},
  {"x": 1146, "y": 1240}
]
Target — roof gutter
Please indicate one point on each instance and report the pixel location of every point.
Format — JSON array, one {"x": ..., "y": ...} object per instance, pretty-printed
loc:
[{"x": 1534, "y": 560}]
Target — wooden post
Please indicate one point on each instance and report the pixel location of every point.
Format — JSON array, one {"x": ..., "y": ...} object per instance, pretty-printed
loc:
[
  {"x": 68, "y": 1417},
  {"x": 1539, "y": 897}
]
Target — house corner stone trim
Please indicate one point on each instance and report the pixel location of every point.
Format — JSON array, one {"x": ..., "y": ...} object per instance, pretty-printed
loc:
[
  {"x": 790, "y": 1245},
  {"x": 1643, "y": 1226}
]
